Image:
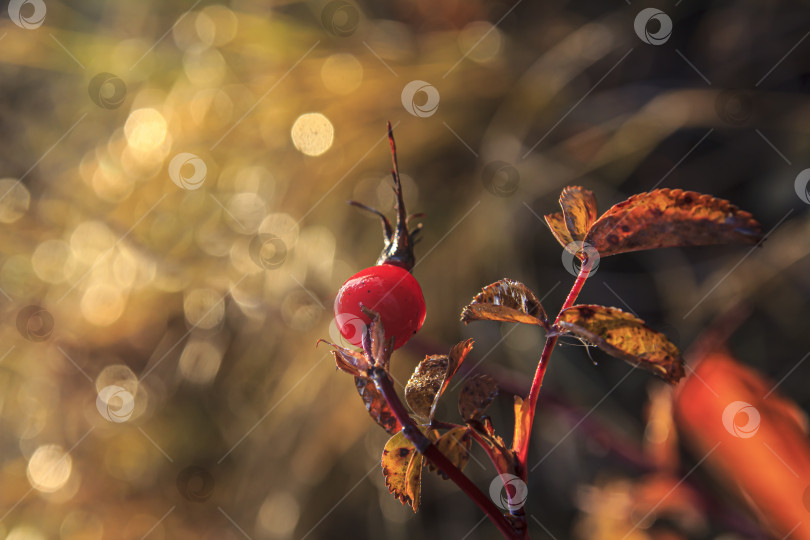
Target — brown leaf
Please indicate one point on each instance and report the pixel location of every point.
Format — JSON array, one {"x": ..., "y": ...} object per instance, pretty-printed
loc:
[
  {"x": 402, "y": 469},
  {"x": 671, "y": 217},
  {"x": 494, "y": 445},
  {"x": 624, "y": 336},
  {"x": 455, "y": 445},
  {"x": 476, "y": 395},
  {"x": 431, "y": 377},
  {"x": 505, "y": 300},
  {"x": 352, "y": 362},
  {"x": 376, "y": 405},
  {"x": 579, "y": 210},
  {"x": 556, "y": 222}
]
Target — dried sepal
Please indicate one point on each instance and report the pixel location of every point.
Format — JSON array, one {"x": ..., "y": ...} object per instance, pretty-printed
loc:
[
  {"x": 350, "y": 361},
  {"x": 402, "y": 468},
  {"x": 431, "y": 377},
  {"x": 508, "y": 301},
  {"x": 476, "y": 395},
  {"x": 624, "y": 336}
]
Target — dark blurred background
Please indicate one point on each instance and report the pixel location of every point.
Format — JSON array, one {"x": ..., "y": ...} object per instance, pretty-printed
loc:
[{"x": 174, "y": 230}]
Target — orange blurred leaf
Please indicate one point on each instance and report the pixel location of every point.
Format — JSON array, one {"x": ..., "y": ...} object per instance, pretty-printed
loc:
[
  {"x": 754, "y": 441},
  {"x": 455, "y": 444},
  {"x": 624, "y": 336},
  {"x": 476, "y": 395},
  {"x": 579, "y": 210},
  {"x": 376, "y": 405},
  {"x": 431, "y": 377},
  {"x": 402, "y": 469},
  {"x": 670, "y": 217},
  {"x": 507, "y": 301}
]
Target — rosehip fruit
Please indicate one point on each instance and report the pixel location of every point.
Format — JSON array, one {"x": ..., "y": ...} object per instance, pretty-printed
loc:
[{"x": 389, "y": 290}]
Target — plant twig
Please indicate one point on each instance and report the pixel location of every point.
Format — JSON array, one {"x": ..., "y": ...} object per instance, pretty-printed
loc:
[
  {"x": 429, "y": 450},
  {"x": 542, "y": 365}
]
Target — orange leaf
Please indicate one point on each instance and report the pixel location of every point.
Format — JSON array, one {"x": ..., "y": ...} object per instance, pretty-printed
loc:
[
  {"x": 522, "y": 415},
  {"x": 431, "y": 377},
  {"x": 579, "y": 210},
  {"x": 507, "y": 301},
  {"x": 754, "y": 441},
  {"x": 402, "y": 469},
  {"x": 376, "y": 405},
  {"x": 670, "y": 217},
  {"x": 624, "y": 336},
  {"x": 476, "y": 395}
]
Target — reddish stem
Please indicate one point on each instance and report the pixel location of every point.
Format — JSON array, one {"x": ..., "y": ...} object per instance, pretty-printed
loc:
[
  {"x": 537, "y": 382},
  {"x": 426, "y": 448}
]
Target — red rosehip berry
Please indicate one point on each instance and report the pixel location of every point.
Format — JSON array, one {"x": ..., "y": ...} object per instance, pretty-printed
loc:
[{"x": 389, "y": 290}]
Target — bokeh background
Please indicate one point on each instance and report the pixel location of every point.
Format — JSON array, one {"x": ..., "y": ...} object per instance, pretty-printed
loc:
[{"x": 173, "y": 230}]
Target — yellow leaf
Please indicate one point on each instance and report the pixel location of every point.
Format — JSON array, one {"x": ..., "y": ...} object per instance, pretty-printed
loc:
[
  {"x": 624, "y": 336},
  {"x": 556, "y": 222},
  {"x": 402, "y": 469},
  {"x": 455, "y": 445},
  {"x": 579, "y": 210}
]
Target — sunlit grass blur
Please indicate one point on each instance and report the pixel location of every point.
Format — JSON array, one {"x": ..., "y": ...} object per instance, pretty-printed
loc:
[{"x": 173, "y": 230}]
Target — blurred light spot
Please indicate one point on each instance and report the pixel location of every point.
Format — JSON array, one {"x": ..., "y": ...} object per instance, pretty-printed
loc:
[
  {"x": 17, "y": 277},
  {"x": 249, "y": 211},
  {"x": 49, "y": 259},
  {"x": 385, "y": 193},
  {"x": 312, "y": 134},
  {"x": 91, "y": 239},
  {"x": 125, "y": 269},
  {"x": 15, "y": 200},
  {"x": 211, "y": 105},
  {"x": 145, "y": 129},
  {"x": 480, "y": 41},
  {"x": 282, "y": 226},
  {"x": 80, "y": 525},
  {"x": 199, "y": 362},
  {"x": 204, "y": 308},
  {"x": 49, "y": 468},
  {"x": 300, "y": 311},
  {"x": 111, "y": 184},
  {"x": 117, "y": 375},
  {"x": 102, "y": 304},
  {"x": 25, "y": 532},
  {"x": 204, "y": 67},
  {"x": 342, "y": 73},
  {"x": 216, "y": 25},
  {"x": 279, "y": 514}
]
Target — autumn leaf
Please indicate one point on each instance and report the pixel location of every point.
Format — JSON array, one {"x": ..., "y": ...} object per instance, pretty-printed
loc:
[
  {"x": 522, "y": 424},
  {"x": 579, "y": 211},
  {"x": 670, "y": 217},
  {"x": 376, "y": 405},
  {"x": 508, "y": 301},
  {"x": 352, "y": 362},
  {"x": 556, "y": 222},
  {"x": 750, "y": 438},
  {"x": 431, "y": 377},
  {"x": 402, "y": 469},
  {"x": 495, "y": 447},
  {"x": 476, "y": 395},
  {"x": 624, "y": 336},
  {"x": 455, "y": 444}
]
